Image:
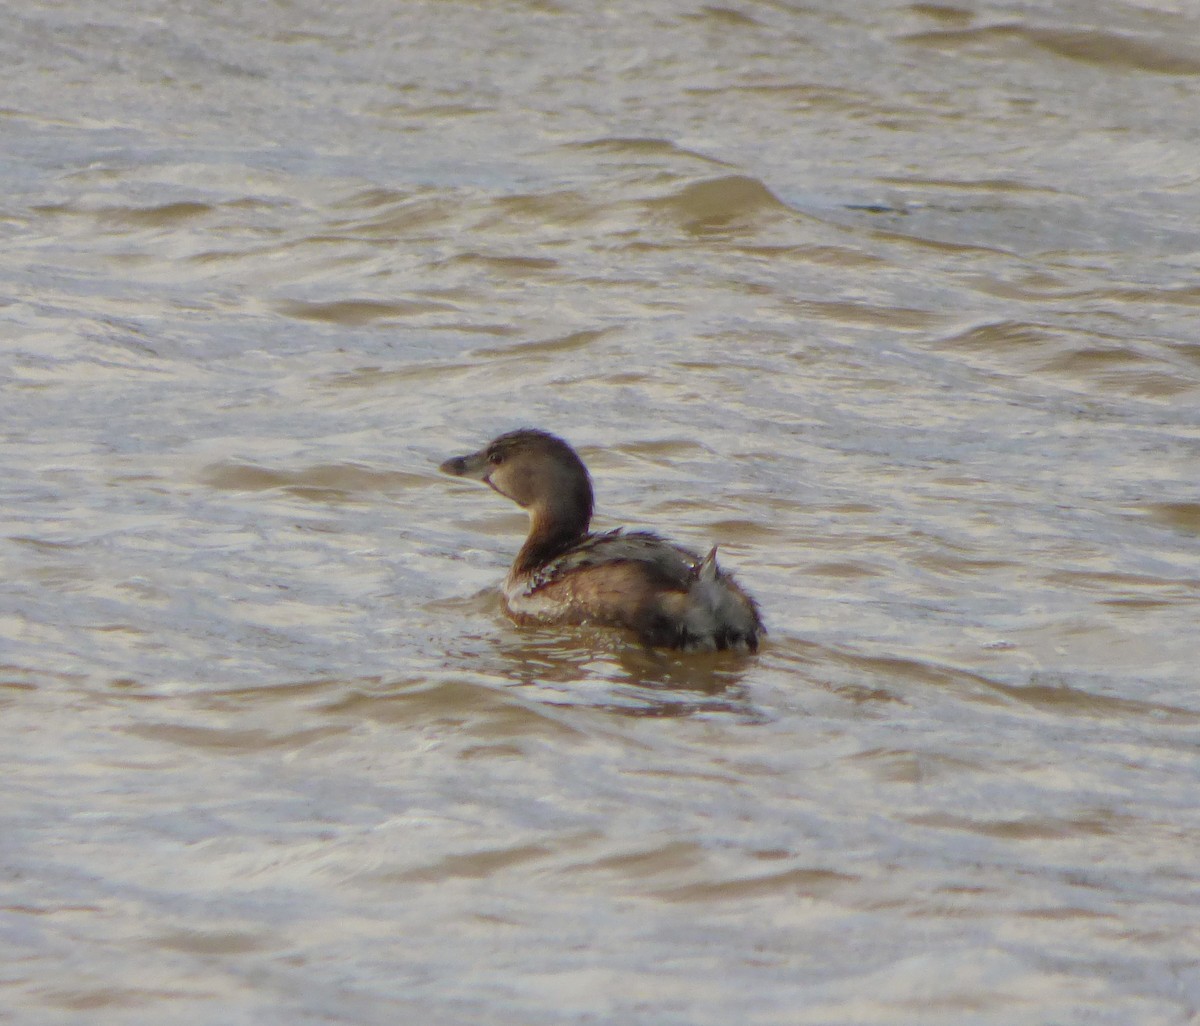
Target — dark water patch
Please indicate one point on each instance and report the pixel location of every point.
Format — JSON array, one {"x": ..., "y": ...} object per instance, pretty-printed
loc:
[
  {"x": 157, "y": 216},
  {"x": 1170, "y": 295},
  {"x": 742, "y": 532},
  {"x": 507, "y": 266},
  {"x": 475, "y": 865},
  {"x": 1003, "y": 338},
  {"x": 1109, "y": 582},
  {"x": 1089, "y": 46},
  {"x": 875, "y": 208},
  {"x": 232, "y": 740},
  {"x": 638, "y": 149},
  {"x": 843, "y": 570},
  {"x": 357, "y": 312},
  {"x": 663, "y": 452},
  {"x": 988, "y": 185},
  {"x": 962, "y": 566},
  {"x": 95, "y": 999},
  {"x": 416, "y": 373},
  {"x": 869, "y": 315},
  {"x": 801, "y": 96},
  {"x": 1066, "y": 913},
  {"x": 725, "y": 17},
  {"x": 323, "y": 482},
  {"x": 1084, "y": 359},
  {"x": 1113, "y": 50},
  {"x": 561, "y": 207},
  {"x": 931, "y": 241},
  {"x": 373, "y": 198},
  {"x": 1182, "y": 516},
  {"x": 650, "y": 680},
  {"x": 482, "y": 712},
  {"x": 438, "y": 111},
  {"x": 834, "y": 256},
  {"x": 287, "y": 692},
  {"x": 575, "y": 340},
  {"x": 669, "y": 858},
  {"x": 1032, "y": 828},
  {"x": 906, "y": 766},
  {"x": 30, "y": 678},
  {"x": 1121, "y": 369},
  {"x": 733, "y": 203},
  {"x": 895, "y": 675},
  {"x": 944, "y": 13},
  {"x": 477, "y": 328},
  {"x": 390, "y": 215},
  {"x": 210, "y": 942},
  {"x": 786, "y": 884},
  {"x": 1062, "y": 698}
]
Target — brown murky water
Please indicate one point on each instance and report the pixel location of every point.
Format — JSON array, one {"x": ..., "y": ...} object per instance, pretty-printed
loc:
[{"x": 896, "y": 302}]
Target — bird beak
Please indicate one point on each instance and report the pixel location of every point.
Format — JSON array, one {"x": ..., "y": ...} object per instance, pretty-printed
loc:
[{"x": 474, "y": 466}]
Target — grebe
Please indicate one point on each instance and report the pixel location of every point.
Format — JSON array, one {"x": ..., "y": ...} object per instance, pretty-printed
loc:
[{"x": 666, "y": 594}]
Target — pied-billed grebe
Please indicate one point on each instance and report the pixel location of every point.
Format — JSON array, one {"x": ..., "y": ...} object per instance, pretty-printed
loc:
[{"x": 668, "y": 595}]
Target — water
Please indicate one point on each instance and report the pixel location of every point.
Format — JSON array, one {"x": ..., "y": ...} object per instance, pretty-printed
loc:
[{"x": 896, "y": 302}]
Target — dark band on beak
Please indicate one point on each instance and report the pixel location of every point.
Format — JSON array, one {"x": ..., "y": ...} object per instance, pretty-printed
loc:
[{"x": 475, "y": 466}]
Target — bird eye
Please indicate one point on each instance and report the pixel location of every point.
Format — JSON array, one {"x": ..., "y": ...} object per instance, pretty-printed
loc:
[{"x": 495, "y": 458}]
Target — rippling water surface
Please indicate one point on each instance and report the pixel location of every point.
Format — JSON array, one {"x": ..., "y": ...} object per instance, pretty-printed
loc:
[{"x": 896, "y": 302}]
